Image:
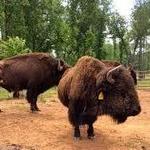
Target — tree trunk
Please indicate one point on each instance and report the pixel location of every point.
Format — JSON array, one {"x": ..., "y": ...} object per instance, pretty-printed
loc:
[
  {"x": 7, "y": 21},
  {"x": 115, "y": 47},
  {"x": 140, "y": 54},
  {"x": 121, "y": 52}
]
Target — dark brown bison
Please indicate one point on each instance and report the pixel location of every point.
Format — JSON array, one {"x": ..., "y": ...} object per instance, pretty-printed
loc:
[
  {"x": 110, "y": 63},
  {"x": 80, "y": 86},
  {"x": 35, "y": 72}
]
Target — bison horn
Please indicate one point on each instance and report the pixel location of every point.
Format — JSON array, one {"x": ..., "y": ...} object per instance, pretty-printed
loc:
[{"x": 110, "y": 73}]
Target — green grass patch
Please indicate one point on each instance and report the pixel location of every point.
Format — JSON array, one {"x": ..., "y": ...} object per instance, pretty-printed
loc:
[
  {"x": 49, "y": 95},
  {"x": 4, "y": 94},
  {"x": 144, "y": 84}
]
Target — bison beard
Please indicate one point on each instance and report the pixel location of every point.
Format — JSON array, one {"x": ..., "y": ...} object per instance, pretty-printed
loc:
[
  {"x": 35, "y": 72},
  {"x": 80, "y": 86}
]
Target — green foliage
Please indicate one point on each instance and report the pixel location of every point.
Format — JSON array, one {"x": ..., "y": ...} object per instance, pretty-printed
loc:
[
  {"x": 87, "y": 20},
  {"x": 73, "y": 28},
  {"x": 140, "y": 32},
  {"x": 108, "y": 49},
  {"x": 71, "y": 31},
  {"x": 140, "y": 19},
  {"x": 118, "y": 30},
  {"x": 12, "y": 47}
]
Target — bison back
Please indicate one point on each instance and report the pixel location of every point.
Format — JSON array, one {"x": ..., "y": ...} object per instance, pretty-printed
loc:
[{"x": 28, "y": 71}]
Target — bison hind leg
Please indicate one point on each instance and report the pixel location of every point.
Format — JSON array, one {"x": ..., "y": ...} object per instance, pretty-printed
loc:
[
  {"x": 32, "y": 99},
  {"x": 16, "y": 94}
]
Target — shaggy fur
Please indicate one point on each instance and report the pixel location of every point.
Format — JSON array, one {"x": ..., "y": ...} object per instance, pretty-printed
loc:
[
  {"x": 80, "y": 86},
  {"x": 35, "y": 72},
  {"x": 110, "y": 63}
]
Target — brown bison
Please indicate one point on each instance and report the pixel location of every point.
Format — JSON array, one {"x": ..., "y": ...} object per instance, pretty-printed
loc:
[
  {"x": 80, "y": 86},
  {"x": 35, "y": 72}
]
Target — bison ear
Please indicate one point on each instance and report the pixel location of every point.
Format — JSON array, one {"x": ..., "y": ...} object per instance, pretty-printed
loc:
[
  {"x": 60, "y": 66},
  {"x": 112, "y": 72},
  {"x": 133, "y": 73}
]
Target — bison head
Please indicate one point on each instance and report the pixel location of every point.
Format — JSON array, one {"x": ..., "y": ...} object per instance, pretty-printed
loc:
[
  {"x": 61, "y": 68},
  {"x": 120, "y": 96}
]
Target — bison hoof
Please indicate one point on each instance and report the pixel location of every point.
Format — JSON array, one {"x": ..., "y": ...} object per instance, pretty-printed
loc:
[
  {"x": 91, "y": 137},
  {"x": 37, "y": 109},
  {"x": 33, "y": 111},
  {"x": 77, "y": 138}
]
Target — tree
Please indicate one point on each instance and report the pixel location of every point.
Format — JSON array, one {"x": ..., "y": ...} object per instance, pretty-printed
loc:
[
  {"x": 140, "y": 28},
  {"x": 118, "y": 30},
  {"x": 12, "y": 20},
  {"x": 87, "y": 20}
]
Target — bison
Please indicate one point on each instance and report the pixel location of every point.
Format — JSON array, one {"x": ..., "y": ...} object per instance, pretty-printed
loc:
[
  {"x": 80, "y": 86},
  {"x": 35, "y": 72}
]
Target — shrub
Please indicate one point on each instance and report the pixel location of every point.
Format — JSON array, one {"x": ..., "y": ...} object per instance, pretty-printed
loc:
[{"x": 12, "y": 47}]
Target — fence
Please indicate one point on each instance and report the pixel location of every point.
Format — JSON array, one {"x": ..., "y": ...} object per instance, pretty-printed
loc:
[
  {"x": 143, "y": 79},
  {"x": 141, "y": 62}
]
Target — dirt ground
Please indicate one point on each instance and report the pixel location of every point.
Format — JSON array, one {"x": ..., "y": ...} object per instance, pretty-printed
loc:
[{"x": 50, "y": 129}]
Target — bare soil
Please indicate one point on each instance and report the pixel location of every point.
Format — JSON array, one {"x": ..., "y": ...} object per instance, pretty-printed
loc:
[{"x": 49, "y": 129}]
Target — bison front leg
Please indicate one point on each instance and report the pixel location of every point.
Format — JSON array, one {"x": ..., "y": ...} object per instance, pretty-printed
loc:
[
  {"x": 77, "y": 132},
  {"x": 33, "y": 105},
  {"x": 90, "y": 131},
  {"x": 73, "y": 118}
]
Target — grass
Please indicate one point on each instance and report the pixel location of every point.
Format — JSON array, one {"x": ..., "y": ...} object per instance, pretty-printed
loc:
[
  {"x": 49, "y": 95},
  {"x": 144, "y": 84},
  {"x": 4, "y": 94}
]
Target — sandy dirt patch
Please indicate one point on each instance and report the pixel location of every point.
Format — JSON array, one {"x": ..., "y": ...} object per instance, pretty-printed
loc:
[{"x": 50, "y": 129}]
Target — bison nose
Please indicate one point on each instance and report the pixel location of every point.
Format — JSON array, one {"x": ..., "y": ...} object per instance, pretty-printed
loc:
[{"x": 136, "y": 111}]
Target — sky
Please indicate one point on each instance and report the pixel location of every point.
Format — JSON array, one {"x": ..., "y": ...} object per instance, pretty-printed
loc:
[{"x": 124, "y": 7}]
